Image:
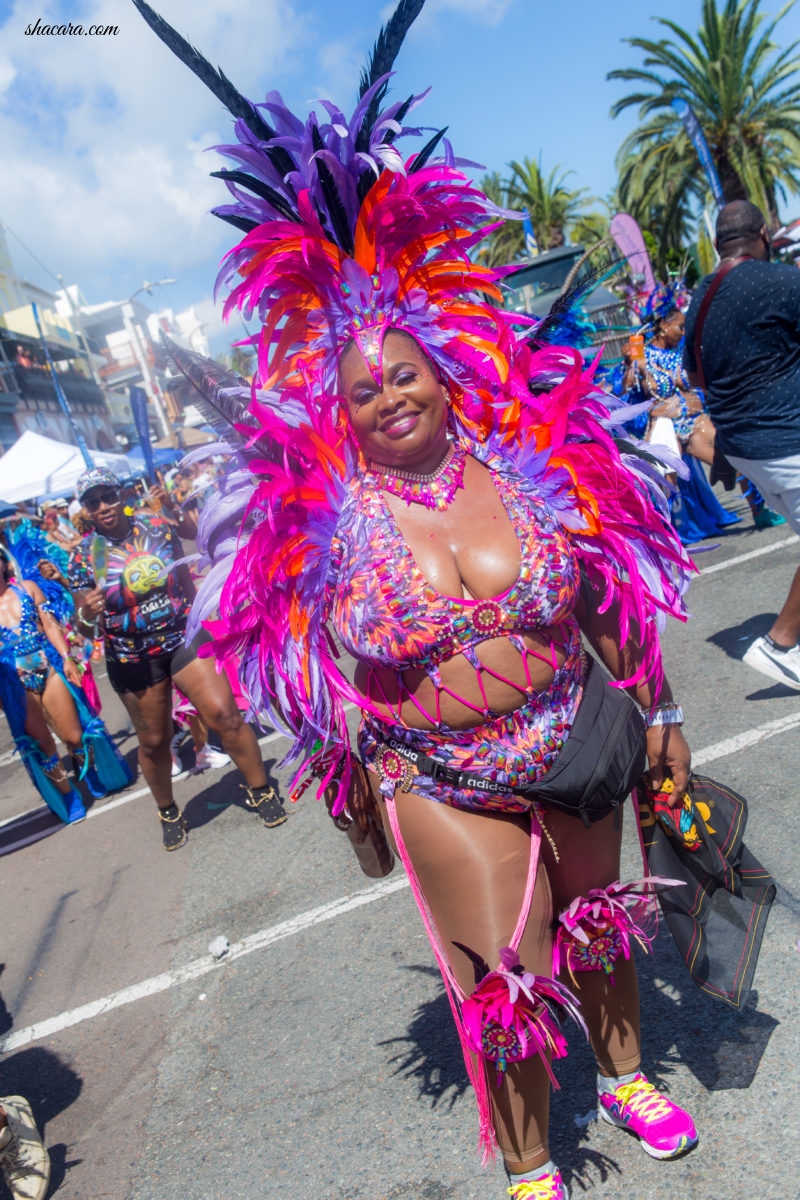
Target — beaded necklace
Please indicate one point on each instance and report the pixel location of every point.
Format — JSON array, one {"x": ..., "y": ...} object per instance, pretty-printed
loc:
[{"x": 436, "y": 490}]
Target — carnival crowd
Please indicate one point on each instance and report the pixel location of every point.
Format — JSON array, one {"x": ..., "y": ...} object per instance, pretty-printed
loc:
[{"x": 495, "y": 541}]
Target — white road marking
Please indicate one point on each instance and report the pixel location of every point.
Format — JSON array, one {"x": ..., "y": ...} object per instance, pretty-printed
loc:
[
  {"x": 740, "y": 558},
  {"x": 200, "y": 966},
  {"x": 315, "y": 916},
  {"x": 117, "y": 802},
  {"x": 749, "y": 737}
]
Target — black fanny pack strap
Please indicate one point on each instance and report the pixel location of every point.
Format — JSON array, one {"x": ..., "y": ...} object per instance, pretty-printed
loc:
[{"x": 598, "y": 765}]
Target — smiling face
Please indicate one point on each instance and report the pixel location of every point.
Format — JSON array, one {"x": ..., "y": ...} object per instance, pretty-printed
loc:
[
  {"x": 403, "y": 423},
  {"x": 104, "y": 505}
]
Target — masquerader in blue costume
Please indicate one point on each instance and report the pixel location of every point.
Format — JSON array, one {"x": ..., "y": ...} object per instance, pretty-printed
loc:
[
  {"x": 667, "y": 381},
  {"x": 40, "y": 687}
]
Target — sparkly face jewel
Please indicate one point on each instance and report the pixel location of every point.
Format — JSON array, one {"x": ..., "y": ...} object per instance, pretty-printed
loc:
[{"x": 370, "y": 343}]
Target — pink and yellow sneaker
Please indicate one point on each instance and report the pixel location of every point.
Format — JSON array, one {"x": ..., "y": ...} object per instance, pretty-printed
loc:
[
  {"x": 549, "y": 1187},
  {"x": 664, "y": 1130}
]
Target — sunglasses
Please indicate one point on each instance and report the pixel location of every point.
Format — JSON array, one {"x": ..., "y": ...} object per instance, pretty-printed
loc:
[{"x": 92, "y": 503}]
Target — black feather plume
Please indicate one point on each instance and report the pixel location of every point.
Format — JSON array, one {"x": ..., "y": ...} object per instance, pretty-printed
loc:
[
  {"x": 222, "y": 396},
  {"x": 385, "y": 51},
  {"x": 427, "y": 150},
  {"x": 339, "y": 226},
  {"x": 399, "y": 116},
  {"x": 547, "y": 329},
  {"x": 217, "y": 82},
  {"x": 367, "y": 179},
  {"x": 241, "y": 223},
  {"x": 259, "y": 188},
  {"x": 480, "y": 966}
]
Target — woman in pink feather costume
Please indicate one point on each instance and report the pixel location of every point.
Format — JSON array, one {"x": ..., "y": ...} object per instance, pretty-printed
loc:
[{"x": 425, "y": 480}]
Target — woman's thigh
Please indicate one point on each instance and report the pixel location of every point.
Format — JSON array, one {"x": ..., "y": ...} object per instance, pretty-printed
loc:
[
  {"x": 472, "y": 868},
  {"x": 60, "y": 709},
  {"x": 150, "y": 711},
  {"x": 209, "y": 692},
  {"x": 587, "y": 858}
]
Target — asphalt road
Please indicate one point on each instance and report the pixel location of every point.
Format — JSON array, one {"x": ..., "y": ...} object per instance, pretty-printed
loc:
[{"x": 317, "y": 1058}]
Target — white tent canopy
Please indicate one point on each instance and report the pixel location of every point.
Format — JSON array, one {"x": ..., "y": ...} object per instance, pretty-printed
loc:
[{"x": 39, "y": 466}]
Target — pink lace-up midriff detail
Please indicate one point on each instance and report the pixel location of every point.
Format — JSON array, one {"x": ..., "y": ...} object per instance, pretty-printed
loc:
[{"x": 387, "y": 615}]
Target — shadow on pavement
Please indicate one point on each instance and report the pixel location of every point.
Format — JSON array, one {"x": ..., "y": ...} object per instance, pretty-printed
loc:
[
  {"x": 6, "y": 1019},
  {"x": 30, "y": 827},
  {"x": 51, "y": 1086},
  {"x": 220, "y": 793},
  {"x": 431, "y": 1053},
  {"x": 721, "y": 1046},
  {"x": 735, "y": 640}
]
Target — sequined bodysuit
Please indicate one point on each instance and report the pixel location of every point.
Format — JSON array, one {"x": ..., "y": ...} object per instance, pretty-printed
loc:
[
  {"x": 24, "y": 647},
  {"x": 387, "y": 615},
  {"x": 666, "y": 366}
]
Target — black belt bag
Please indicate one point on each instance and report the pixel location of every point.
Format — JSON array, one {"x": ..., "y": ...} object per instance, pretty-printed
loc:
[{"x": 598, "y": 766}]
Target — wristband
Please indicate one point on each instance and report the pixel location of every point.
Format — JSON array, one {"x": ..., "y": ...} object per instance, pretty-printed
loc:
[{"x": 663, "y": 714}]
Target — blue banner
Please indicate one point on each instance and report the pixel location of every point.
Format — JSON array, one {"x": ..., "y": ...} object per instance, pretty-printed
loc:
[
  {"x": 138, "y": 398},
  {"x": 698, "y": 140},
  {"x": 531, "y": 244}
]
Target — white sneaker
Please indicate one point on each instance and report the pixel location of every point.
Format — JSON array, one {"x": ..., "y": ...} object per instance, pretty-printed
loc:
[
  {"x": 23, "y": 1159},
  {"x": 783, "y": 665},
  {"x": 209, "y": 757},
  {"x": 177, "y": 765}
]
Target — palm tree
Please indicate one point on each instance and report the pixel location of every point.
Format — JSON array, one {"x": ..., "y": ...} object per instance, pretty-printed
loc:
[
  {"x": 660, "y": 189},
  {"x": 746, "y": 95},
  {"x": 552, "y": 205},
  {"x": 554, "y": 209},
  {"x": 506, "y": 244}
]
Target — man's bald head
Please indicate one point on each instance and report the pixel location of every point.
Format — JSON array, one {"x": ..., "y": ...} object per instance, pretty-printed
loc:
[{"x": 741, "y": 228}]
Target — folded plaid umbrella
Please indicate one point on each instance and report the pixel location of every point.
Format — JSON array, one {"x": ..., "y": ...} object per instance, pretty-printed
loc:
[{"x": 717, "y": 918}]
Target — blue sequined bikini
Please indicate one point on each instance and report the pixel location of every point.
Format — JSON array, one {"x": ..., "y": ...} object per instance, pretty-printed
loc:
[{"x": 25, "y": 647}]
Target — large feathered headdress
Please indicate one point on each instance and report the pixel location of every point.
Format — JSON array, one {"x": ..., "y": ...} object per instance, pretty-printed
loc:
[{"x": 344, "y": 238}]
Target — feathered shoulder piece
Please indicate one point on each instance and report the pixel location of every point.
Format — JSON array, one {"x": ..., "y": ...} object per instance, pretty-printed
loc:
[
  {"x": 265, "y": 557},
  {"x": 566, "y": 439}
]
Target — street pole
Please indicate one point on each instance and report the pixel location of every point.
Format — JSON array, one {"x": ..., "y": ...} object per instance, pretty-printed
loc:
[
  {"x": 80, "y": 441},
  {"x": 140, "y": 354}
]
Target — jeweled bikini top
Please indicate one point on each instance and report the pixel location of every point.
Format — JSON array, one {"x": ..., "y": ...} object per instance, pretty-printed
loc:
[
  {"x": 386, "y": 613},
  {"x": 26, "y": 637}
]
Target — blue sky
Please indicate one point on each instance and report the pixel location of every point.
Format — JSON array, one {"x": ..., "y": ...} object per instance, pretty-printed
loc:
[{"x": 102, "y": 164}]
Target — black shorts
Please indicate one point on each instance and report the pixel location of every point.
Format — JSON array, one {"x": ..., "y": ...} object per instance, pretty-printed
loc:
[{"x": 147, "y": 672}]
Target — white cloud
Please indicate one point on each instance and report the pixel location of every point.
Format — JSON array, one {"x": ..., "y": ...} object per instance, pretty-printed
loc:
[
  {"x": 104, "y": 174},
  {"x": 102, "y": 139}
]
